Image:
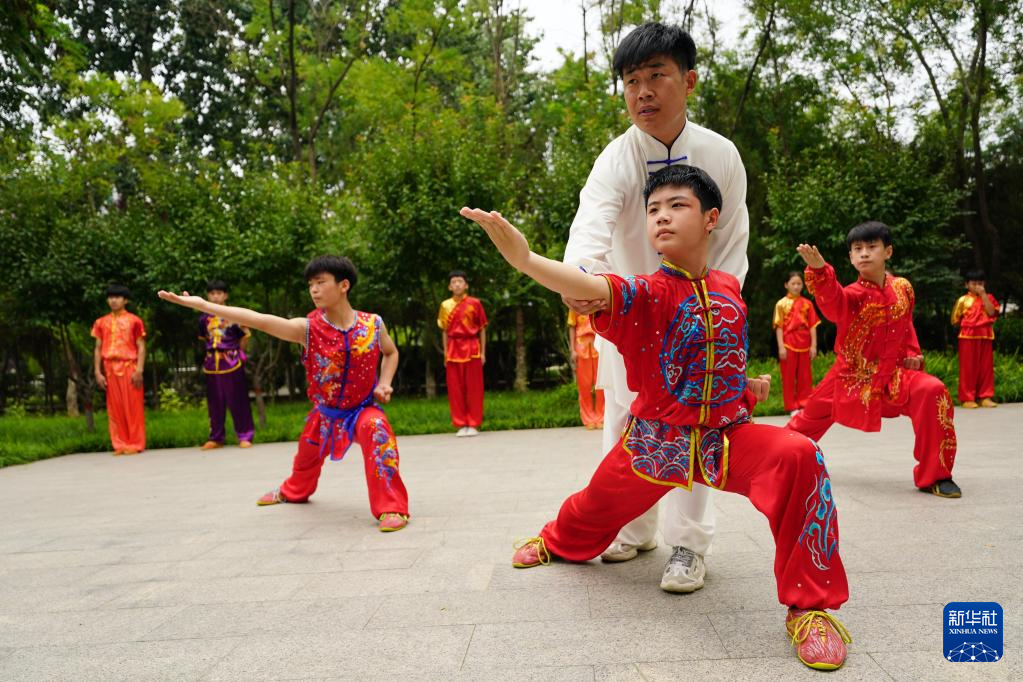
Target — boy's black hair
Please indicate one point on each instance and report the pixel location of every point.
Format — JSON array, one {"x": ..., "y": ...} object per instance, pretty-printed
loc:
[
  {"x": 118, "y": 290},
  {"x": 339, "y": 266},
  {"x": 867, "y": 232},
  {"x": 974, "y": 276},
  {"x": 216, "y": 285},
  {"x": 696, "y": 179},
  {"x": 793, "y": 273},
  {"x": 458, "y": 273},
  {"x": 652, "y": 39}
]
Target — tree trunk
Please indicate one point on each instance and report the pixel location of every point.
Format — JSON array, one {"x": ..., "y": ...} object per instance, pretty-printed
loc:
[
  {"x": 74, "y": 373},
  {"x": 429, "y": 343},
  {"x": 521, "y": 372}
]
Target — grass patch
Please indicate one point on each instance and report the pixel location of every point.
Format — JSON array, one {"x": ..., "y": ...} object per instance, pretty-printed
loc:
[{"x": 26, "y": 439}]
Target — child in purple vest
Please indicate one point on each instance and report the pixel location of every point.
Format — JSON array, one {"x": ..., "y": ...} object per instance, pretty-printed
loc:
[
  {"x": 226, "y": 388},
  {"x": 341, "y": 349}
]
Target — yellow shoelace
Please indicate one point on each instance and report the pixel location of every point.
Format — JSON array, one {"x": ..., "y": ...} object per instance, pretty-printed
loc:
[
  {"x": 542, "y": 554},
  {"x": 813, "y": 619}
]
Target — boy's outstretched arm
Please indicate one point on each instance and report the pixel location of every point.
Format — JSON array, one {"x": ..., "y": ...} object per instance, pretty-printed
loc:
[
  {"x": 822, "y": 283},
  {"x": 292, "y": 330},
  {"x": 562, "y": 278}
]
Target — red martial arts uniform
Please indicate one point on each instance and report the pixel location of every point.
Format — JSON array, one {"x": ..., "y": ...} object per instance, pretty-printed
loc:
[
  {"x": 462, "y": 321},
  {"x": 685, "y": 342},
  {"x": 591, "y": 400},
  {"x": 976, "y": 347},
  {"x": 869, "y": 380},
  {"x": 341, "y": 370},
  {"x": 795, "y": 316},
  {"x": 119, "y": 335}
]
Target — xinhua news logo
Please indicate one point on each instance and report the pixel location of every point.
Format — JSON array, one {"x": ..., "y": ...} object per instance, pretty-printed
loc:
[{"x": 973, "y": 632}]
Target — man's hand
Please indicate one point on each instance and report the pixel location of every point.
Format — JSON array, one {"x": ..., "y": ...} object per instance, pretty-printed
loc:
[
  {"x": 582, "y": 307},
  {"x": 811, "y": 255},
  {"x": 136, "y": 378},
  {"x": 383, "y": 393},
  {"x": 508, "y": 240},
  {"x": 184, "y": 299},
  {"x": 783, "y": 353},
  {"x": 761, "y": 386},
  {"x": 914, "y": 362},
  {"x": 101, "y": 380}
]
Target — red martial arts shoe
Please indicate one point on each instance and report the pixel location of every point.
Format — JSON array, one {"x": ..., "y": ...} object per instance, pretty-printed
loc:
[
  {"x": 531, "y": 552},
  {"x": 820, "y": 638},
  {"x": 392, "y": 521},
  {"x": 272, "y": 497}
]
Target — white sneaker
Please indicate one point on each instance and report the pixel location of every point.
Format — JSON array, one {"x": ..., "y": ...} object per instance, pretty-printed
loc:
[
  {"x": 462, "y": 432},
  {"x": 470, "y": 431},
  {"x": 622, "y": 551},
  {"x": 684, "y": 571}
]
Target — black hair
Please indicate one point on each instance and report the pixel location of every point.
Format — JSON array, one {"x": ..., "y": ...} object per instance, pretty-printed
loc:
[
  {"x": 869, "y": 231},
  {"x": 216, "y": 285},
  {"x": 118, "y": 290},
  {"x": 338, "y": 266},
  {"x": 652, "y": 39},
  {"x": 793, "y": 273},
  {"x": 458, "y": 273},
  {"x": 696, "y": 179},
  {"x": 974, "y": 276}
]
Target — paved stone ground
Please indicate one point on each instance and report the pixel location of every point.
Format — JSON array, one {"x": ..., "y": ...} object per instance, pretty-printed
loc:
[{"x": 162, "y": 567}]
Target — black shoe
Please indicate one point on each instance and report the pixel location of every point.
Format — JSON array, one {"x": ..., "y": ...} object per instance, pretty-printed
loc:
[{"x": 946, "y": 488}]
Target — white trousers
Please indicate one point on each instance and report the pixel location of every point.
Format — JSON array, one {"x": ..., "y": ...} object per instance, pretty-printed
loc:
[{"x": 688, "y": 514}]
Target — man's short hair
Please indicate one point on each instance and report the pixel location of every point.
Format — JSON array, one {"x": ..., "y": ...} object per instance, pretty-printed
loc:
[
  {"x": 652, "y": 39},
  {"x": 216, "y": 285},
  {"x": 338, "y": 266},
  {"x": 458, "y": 273},
  {"x": 974, "y": 276},
  {"x": 870, "y": 231},
  {"x": 695, "y": 179},
  {"x": 118, "y": 290}
]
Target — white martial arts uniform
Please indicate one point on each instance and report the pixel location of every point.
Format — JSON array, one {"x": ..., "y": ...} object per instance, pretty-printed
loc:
[{"x": 609, "y": 235}]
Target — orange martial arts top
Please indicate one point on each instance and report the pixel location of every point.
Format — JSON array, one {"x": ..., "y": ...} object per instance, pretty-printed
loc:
[
  {"x": 973, "y": 321},
  {"x": 584, "y": 334},
  {"x": 796, "y": 316},
  {"x": 118, "y": 335},
  {"x": 462, "y": 321}
]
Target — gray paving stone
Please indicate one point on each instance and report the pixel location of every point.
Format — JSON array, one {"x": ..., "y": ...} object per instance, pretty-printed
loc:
[
  {"x": 166, "y": 569},
  {"x": 165, "y": 660}
]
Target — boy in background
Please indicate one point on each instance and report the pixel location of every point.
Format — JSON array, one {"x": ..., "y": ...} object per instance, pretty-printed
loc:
[{"x": 119, "y": 360}]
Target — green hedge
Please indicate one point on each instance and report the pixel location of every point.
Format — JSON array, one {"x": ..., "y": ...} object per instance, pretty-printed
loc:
[{"x": 25, "y": 439}]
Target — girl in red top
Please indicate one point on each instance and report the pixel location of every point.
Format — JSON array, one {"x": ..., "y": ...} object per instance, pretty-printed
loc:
[
  {"x": 795, "y": 326},
  {"x": 975, "y": 314},
  {"x": 341, "y": 348}
]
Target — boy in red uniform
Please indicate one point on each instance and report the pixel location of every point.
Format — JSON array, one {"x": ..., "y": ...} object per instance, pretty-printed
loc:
[
  {"x": 795, "y": 326},
  {"x": 463, "y": 321},
  {"x": 119, "y": 361},
  {"x": 341, "y": 348},
  {"x": 975, "y": 314},
  {"x": 584, "y": 361},
  {"x": 683, "y": 333},
  {"x": 877, "y": 371}
]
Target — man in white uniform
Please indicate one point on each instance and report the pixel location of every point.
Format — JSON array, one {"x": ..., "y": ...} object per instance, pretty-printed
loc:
[{"x": 655, "y": 63}]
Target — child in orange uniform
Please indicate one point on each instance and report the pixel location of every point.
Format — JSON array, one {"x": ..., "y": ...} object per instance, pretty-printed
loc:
[
  {"x": 584, "y": 360},
  {"x": 119, "y": 359},
  {"x": 975, "y": 313},
  {"x": 464, "y": 322},
  {"x": 795, "y": 326}
]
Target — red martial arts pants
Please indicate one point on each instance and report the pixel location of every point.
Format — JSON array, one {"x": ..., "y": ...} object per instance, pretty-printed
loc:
[
  {"x": 783, "y": 475},
  {"x": 379, "y": 453},
  {"x": 796, "y": 379},
  {"x": 928, "y": 405},
  {"x": 465, "y": 392},
  {"x": 976, "y": 370},
  {"x": 126, "y": 415},
  {"x": 591, "y": 401}
]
